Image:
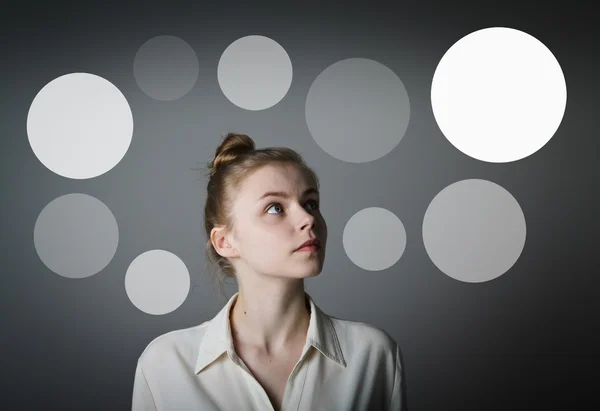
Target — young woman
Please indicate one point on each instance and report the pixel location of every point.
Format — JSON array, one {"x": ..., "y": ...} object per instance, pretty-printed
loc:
[{"x": 270, "y": 347}]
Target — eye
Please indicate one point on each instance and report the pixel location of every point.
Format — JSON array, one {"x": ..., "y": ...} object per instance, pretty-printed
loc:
[{"x": 316, "y": 203}]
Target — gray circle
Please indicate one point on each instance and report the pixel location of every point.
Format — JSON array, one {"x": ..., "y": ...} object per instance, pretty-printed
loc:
[
  {"x": 166, "y": 68},
  {"x": 374, "y": 239},
  {"x": 79, "y": 125},
  {"x": 357, "y": 110},
  {"x": 157, "y": 282},
  {"x": 255, "y": 72},
  {"x": 474, "y": 230},
  {"x": 76, "y": 235}
]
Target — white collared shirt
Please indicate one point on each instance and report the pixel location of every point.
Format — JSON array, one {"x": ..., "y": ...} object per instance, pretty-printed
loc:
[{"x": 344, "y": 365}]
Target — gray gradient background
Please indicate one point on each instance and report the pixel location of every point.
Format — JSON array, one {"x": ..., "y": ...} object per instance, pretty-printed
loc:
[{"x": 524, "y": 340}]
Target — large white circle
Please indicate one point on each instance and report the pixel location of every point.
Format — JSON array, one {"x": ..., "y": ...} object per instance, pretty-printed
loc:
[
  {"x": 157, "y": 282},
  {"x": 255, "y": 72},
  {"x": 79, "y": 125},
  {"x": 498, "y": 95}
]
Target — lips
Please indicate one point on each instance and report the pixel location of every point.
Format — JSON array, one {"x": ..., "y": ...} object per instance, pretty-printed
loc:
[{"x": 312, "y": 242}]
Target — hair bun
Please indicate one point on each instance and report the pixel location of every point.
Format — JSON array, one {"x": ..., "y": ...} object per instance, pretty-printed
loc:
[{"x": 232, "y": 146}]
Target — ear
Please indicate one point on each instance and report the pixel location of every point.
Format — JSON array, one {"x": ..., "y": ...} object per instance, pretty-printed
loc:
[{"x": 220, "y": 240}]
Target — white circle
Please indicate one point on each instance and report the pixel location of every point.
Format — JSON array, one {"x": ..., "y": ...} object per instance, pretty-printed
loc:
[
  {"x": 157, "y": 282},
  {"x": 76, "y": 235},
  {"x": 474, "y": 230},
  {"x": 79, "y": 125},
  {"x": 374, "y": 238},
  {"x": 255, "y": 72},
  {"x": 498, "y": 95}
]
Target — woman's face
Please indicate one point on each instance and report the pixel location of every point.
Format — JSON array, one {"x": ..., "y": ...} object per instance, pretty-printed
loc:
[{"x": 270, "y": 229}]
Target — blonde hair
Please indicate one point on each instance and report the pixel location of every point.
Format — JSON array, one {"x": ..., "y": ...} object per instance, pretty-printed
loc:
[{"x": 235, "y": 159}]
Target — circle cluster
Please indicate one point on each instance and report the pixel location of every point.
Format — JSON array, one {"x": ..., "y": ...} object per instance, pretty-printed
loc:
[{"x": 498, "y": 95}]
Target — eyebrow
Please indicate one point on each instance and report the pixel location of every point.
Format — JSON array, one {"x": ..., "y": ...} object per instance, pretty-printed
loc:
[{"x": 281, "y": 194}]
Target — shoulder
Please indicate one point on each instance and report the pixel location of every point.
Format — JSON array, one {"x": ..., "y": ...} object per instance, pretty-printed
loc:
[
  {"x": 181, "y": 344},
  {"x": 360, "y": 336}
]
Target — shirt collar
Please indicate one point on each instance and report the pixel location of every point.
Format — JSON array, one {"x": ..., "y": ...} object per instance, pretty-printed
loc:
[{"x": 217, "y": 337}]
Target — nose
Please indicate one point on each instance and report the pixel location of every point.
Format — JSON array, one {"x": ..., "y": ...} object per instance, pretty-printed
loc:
[{"x": 307, "y": 219}]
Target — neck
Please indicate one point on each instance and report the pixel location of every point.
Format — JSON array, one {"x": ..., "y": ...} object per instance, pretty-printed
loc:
[{"x": 271, "y": 319}]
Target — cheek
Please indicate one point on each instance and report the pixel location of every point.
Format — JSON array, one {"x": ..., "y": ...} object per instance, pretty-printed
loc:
[
  {"x": 270, "y": 254},
  {"x": 268, "y": 238}
]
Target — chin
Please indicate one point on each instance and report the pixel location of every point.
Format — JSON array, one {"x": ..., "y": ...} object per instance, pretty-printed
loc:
[
  {"x": 312, "y": 273},
  {"x": 304, "y": 272}
]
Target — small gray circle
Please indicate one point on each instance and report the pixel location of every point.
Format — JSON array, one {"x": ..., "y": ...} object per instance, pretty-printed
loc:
[
  {"x": 76, "y": 235},
  {"x": 255, "y": 72},
  {"x": 474, "y": 230},
  {"x": 374, "y": 239},
  {"x": 166, "y": 68},
  {"x": 357, "y": 110},
  {"x": 157, "y": 282}
]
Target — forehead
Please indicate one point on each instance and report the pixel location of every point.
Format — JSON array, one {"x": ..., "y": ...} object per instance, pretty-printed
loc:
[{"x": 273, "y": 178}]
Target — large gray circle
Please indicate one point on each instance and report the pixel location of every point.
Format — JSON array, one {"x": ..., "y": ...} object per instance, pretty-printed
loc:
[
  {"x": 474, "y": 230},
  {"x": 357, "y": 110},
  {"x": 76, "y": 235}
]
